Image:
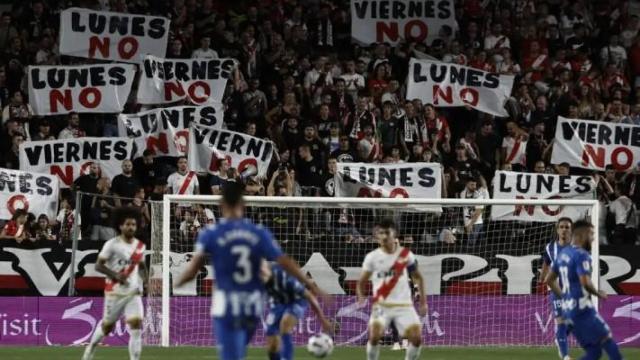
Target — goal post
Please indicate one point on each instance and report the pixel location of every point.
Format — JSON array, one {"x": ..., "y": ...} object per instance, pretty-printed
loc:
[{"x": 482, "y": 282}]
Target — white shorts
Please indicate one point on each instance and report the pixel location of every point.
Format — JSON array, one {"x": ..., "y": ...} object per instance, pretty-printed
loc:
[
  {"x": 402, "y": 316},
  {"x": 115, "y": 306}
]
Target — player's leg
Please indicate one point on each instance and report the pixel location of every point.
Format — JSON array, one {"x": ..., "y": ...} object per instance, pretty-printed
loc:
[
  {"x": 562, "y": 330},
  {"x": 232, "y": 341},
  {"x": 112, "y": 309},
  {"x": 273, "y": 332},
  {"x": 378, "y": 323},
  {"x": 410, "y": 328},
  {"x": 288, "y": 323},
  {"x": 134, "y": 313}
]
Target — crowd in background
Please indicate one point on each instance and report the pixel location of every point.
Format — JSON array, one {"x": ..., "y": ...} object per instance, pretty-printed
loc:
[{"x": 322, "y": 99}]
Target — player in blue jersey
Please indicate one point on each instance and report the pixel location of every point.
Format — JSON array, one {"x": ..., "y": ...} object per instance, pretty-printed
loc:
[
  {"x": 549, "y": 256},
  {"x": 236, "y": 248},
  {"x": 288, "y": 300},
  {"x": 573, "y": 267}
]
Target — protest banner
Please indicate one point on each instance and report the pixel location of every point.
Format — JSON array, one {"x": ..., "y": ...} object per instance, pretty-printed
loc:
[
  {"x": 445, "y": 84},
  {"x": 112, "y": 36},
  {"x": 244, "y": 152},
  {"x": 595, "y": 144},
  {"x": 392, "y": 21},
  {"x": 32, "y": 192},
  {"x": 517, "y": 185},
  {"x": 200, "y": 81},
  {"x": 99, "y": 88},
  {"x": 165, "y": 131},
  {"x": 68, "y": 159}
]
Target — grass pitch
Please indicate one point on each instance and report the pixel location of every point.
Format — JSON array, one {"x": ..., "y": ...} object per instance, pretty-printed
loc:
[{"x": 342, "y": 353}]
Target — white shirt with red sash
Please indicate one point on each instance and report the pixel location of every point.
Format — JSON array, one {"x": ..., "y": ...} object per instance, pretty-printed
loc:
[
  {"x": 516, "y": 150},
  {"x": 123, "y": 257},
  {"x": 183, "y": 184},
  {"x": 390, "y": 287}
]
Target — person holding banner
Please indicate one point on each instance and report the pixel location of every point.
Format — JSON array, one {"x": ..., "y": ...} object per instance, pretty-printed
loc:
[{"x": 514, "y": 146}]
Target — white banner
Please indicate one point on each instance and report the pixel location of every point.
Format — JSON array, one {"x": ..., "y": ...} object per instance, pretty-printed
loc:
[
  {"x": 445, "y": 84},
  {"x": 165, "y": 131},
  {"x": 244, "y": 152},
  {"x": 516, "y": 185},
  {"x": 112, "y": 36},
  {"x": 33, "y": 192},
  {"x": 408, "y": 180},
  {"x": 70, "y": 158},
  {"x": 595, "y": 144},
  {"x": 392, "y": 21},
  {"x": 200, "y": 81},
  {"x": 99, "y": 88}
]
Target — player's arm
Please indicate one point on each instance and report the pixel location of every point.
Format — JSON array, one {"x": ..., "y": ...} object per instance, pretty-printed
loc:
[
  {"x": 315, "y": 306},
  {"x": 193, "y": 267},
  {"x": 587, "y": 284},
  {"x": 552, "y": 282},
  {"x": 583, "y": 268},
  {"x": 544, "y": 272},
  {"x": 419, "y": 281},
  {"x": 360, "y": 286},
  {"x": 102, "y": 268}
]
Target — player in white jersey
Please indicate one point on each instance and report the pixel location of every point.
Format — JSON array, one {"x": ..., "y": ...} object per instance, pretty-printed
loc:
[
  {"x": 122, "y": 261},
  {"x": 388, "y": 268}
]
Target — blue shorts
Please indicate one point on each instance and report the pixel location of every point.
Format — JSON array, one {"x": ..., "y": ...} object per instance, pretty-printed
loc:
[
  {"x": 276, "y": 312},
  {"x": 233, "y": 336},
  {"x": 556, "y": 306},
  {"x": 589, "y": 329}
]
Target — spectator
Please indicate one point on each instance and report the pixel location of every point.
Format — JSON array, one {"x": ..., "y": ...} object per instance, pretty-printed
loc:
[
  {"x": 44, "y": 131},
  {"x": 102, "y": 205},
  {"x": 472, "y": 215},
  {"x": 388, "y": 128},
  {"x": 183, "y": 181},
  {"x": 514, "y": 146},
  {"x": 73, "y": 129},
  {"x": 317, "y": 147},
  {"x": 317, "y": 81},
  {"x": 18, "y": 110},
  {"x": 7, "y": 30},
  {"x": 219, "y": 180},
  {"x": 11, "y": 158},
  {"x": 146, "y": 170},
  {"x": 254, "y": 101},
  {"x": 344, "y": 153},
  {"x": 126, "y": 184},
  {"x": 15, "y": 228},
  {"x": 189, "y": 226},
  {"x": 354, "y": 123},
  {"x": 65, "y": 219},
  {"x": 353, "y": 81},
  {"x": 176, "y": 50},
  {"x": 44, "y": 230},
  {"x": 368, "y": 147},
  {"x": 309, "y": 171},
  {"x": 204, "y": 51},
  {"x": 623, "y": 211}
]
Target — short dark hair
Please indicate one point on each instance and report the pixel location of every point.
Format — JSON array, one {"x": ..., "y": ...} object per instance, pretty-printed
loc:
[
  {"x": 582, "y": 224},
  {"x": 232, "y": 193},
  {"x": 18, "y": 213},
  {"x": 121, "y": 214},
  {"x": 180, "y": 158},
  {"x": 565, "y": 219},
  {"x": 387, "y": 223}
]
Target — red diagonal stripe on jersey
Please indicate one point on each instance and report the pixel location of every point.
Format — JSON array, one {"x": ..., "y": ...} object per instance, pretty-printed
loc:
[
  {"x": 398, "y": 267},
  {"x": 135, "y": 260}
]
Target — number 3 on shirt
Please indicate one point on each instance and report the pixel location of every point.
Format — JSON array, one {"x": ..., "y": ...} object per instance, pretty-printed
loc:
[{"x": 243, "y": 273}]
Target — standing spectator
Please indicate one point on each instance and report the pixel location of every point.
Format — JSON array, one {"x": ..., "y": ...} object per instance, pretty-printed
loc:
[
  {"x": 623, "y": 211},
  {"x": 146, "y": 170},
  {"x": 44, "y": 131},
  {"x": 472, "y": 215},
  {"x": 354, "y": 123},
  {"x": 204, "y": 51},
  {"x": 316, "y": 81},
  {"x": 368, "y": 147},
  {"x": 183, "y": 181},
  {"x": 47, "y": 53},
  {"x": 73, "y": 129},
  {"x": 496, "y": 41},
  {"x": 87, "y": 184},
  {"x": 102, "y": 205},
  {"x": 19, "y": 111},
  {"x": 321, "y": 30},
  {"x": 44, "y": 230},
  {"x": 536, "y": 146},
  {"x": 354, "y": 82},
  {"x": 317, "y": 147},
  {"x": 12, "y": 157},
  {"x": 14, "y": 229},
  {"x": 413, "y": 129},
  {"x": 65, "y": 220},
  {"x": 7, "y": 30},
  {"x": 514, "y": 146},
  {"x": 613, "y": 52},
  {"x": 309, "y": 171},
  {"x": 219, "y": 180},
  {"x": 254, "y": 101},
  {"x": 388, "y": 128},
  {"x": 344, "y": 153},
  {"x": 125, "y": 185},
  {"x": 176, "y": 50}
]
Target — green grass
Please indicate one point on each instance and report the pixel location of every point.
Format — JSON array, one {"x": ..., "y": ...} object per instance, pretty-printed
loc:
[{"x": 343, "y": 353}]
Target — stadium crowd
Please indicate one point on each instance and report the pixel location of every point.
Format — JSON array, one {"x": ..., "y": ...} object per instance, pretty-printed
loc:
[{"x": 301, "y": 82}]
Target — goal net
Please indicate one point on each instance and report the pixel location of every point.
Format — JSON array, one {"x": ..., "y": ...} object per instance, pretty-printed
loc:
[{"x": 482, "y": 281}]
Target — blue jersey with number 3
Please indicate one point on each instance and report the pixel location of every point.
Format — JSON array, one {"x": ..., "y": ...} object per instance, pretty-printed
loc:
[
  {"x": 237, "y": 248},
  {"x": 572, "y": 263}
]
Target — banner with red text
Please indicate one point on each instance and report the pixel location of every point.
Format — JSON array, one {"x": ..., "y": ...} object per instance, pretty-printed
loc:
[
  {"x": 517, "y": 185},
  {"x": 70, "y": 158},
  {"x": 394, "y": 21},
  {"x": 408, "y": 180},
  {"x": 445, "y": 84},
  {"x": 593, "y": 144},
  {"x": 244, "y": 152},
  {"x": 165, "y": 131},
  {"x": 32, "y": 192},
  {"x": 199, "y": 81},
  {"x": 112, "y": 36},
  {"x": 99, "y": 88}
]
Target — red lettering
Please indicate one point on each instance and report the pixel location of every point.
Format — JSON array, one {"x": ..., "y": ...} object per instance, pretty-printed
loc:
[
  {"x": 206, "y": 92},
  {"x": 181, "y": 141},
  {"x": 472, "y": 93},
  {"x": 244, "y": 164},
  {"x": 95, "y": 95},
  {"x": 399, "y": 192},
  {"x": 66, "y": 175},
  {"x": 171, "y": 88},
  {"x": 422, "y": 31},
  {"x": 386, "y": 30},
  {"x": 548, "y": 211},
  {"x": 528, "y": 208},
  {"x": 132, "y": 47},
  {"x": 100, "y": 45},
  {"x": 364, "y": 193},
  {"x": 596, "y": 155},
  {"x": 439, "y": 93},
  {"x": 615, "y": 158},
  {"x": 56, "y": 96},
  {"x": 17, "y": 200},
  {"x": 158, "y": 143}
]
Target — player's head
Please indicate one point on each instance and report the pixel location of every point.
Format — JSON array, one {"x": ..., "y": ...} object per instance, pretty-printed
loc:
[
  {"x": 563, "y": 229},
  {"x": 386, "y": 232},
  {"x": 583, "y": 234},
  {"x": 126, "y": 220},
  {"x": 232, "y": 200}
]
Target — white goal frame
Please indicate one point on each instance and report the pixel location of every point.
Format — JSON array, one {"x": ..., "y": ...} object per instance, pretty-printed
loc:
[{"x": 336, "y": 202}]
